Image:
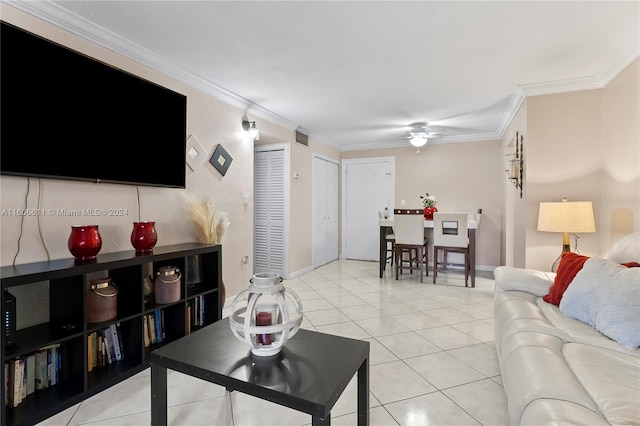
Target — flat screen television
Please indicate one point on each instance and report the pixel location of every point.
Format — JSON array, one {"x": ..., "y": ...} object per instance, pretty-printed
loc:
[{"x": 64, "y": 115}]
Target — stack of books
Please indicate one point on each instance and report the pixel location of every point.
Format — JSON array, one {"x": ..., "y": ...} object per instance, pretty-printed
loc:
[
  {"x": 154, "y": 328},
  {"x": 105, "y": 347},
  {"x": 30, "y": 373}
]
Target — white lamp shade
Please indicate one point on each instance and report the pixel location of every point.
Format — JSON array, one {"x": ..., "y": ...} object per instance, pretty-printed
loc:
[
  {"x": 566, "y": 216},
  {"x": 254, "y": 133},
  {"x": 418, "y": 141}
]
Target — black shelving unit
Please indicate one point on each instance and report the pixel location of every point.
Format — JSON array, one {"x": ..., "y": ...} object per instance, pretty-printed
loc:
[{"x": 67, "y": 283}]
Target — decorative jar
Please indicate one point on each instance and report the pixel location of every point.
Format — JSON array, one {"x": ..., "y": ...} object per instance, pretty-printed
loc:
[
  {"x": 102, "y": 300},
  {"x": 84, "y": 242},
  {"x": 167, "y": 286},
  {"x": 266, "y": 315},
  {"x": 144, "y": 237}
]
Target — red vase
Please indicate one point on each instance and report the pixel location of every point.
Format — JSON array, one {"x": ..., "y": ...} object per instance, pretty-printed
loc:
[
  {"x": 84, "y": 242},
  {"x": 144, "y": 236},
  {"x": 428, "y": 212}
]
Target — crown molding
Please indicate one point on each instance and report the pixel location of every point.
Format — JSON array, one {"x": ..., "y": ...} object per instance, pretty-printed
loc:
[
  {"x": 60, "y": 17},
  {"x": 628, "y": 54}
]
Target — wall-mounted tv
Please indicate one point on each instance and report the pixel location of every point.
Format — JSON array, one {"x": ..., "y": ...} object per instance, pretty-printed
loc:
[{"x": 64, "y": 115}]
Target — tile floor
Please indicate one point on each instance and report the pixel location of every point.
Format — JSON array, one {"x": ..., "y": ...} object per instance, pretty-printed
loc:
[{"x": 433, "y": 360}]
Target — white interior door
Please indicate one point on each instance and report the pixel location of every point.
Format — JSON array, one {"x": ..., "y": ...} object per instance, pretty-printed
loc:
[
  {"x": 367, "y": 188},
  {"x": 325, "y": 211},
  {"x": 269, "y": 212}
]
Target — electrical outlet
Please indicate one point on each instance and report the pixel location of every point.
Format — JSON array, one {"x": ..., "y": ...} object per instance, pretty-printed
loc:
[{"x": 402, "y": 203}]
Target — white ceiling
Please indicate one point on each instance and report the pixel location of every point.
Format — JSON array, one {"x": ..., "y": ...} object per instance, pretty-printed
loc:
[{"x": 357, "y": 74}]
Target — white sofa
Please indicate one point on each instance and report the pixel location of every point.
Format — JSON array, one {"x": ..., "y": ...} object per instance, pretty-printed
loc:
[{"x": 557, "y": 370}]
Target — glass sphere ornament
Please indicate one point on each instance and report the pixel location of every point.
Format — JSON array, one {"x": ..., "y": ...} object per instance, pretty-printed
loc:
[{"x": 266, "y": 315}]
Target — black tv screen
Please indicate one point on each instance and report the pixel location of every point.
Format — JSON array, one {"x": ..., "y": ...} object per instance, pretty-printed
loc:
[{"x": 64, "y": 115}]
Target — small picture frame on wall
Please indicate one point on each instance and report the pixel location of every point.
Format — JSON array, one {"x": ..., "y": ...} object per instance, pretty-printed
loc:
[
  {"x": 195, "y": 153},
  {"x": 221, "y": 160}
]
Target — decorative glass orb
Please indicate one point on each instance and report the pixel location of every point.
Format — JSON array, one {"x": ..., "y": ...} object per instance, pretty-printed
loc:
[{"x": 266, "y": 315}]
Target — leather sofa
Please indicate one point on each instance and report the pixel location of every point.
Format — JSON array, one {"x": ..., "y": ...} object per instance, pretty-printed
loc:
[{"x": 556, "y": 369}]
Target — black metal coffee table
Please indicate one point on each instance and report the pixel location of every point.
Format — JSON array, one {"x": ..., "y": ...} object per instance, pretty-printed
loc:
[{"x": 309, "y": 374}]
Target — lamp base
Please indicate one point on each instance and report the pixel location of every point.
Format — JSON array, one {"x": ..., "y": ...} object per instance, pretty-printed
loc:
[{"x": 566, "y": 247}]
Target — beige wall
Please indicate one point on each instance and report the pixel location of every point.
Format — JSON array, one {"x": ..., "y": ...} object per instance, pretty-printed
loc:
[
  {"x": 584, "y": 146},
  {"x": 620, "y": 151},
  {"x": 463, "y": 176}
]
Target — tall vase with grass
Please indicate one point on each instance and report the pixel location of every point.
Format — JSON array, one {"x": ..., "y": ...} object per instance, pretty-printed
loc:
[{"x": 209, "y": 224}]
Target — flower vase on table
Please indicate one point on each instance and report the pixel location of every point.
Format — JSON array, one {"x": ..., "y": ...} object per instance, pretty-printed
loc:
[
  {"x": 428, "y": 212},
  {"x": 429, "y": 204}
]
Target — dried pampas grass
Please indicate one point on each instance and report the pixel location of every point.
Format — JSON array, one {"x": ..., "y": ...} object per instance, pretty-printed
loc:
[{"x": 209, "y": 223}]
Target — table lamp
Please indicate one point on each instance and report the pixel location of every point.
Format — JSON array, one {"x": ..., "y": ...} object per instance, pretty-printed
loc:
[{"x": 566, "y": 217}]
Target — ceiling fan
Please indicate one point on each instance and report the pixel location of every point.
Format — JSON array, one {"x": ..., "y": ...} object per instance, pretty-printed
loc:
[{"x": 420, "y": 134}]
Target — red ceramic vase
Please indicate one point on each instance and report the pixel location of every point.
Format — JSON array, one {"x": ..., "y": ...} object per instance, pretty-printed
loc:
[
  {"x": 144, "y": 236},
  {"x": 428, "y": 212},
  {"x": 84, "y": 242}
]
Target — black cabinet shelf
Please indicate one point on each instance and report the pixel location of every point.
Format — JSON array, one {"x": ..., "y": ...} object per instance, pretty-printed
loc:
[{"x": 66, "y": 282}]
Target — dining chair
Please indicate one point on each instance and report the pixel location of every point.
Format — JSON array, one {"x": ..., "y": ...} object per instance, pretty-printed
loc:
[
  {"x": 390, "y": 242},
  {"x": 477, "y": 218},
  {"x": 408, "y": 226},
  {"x": 450, "y": 234}
]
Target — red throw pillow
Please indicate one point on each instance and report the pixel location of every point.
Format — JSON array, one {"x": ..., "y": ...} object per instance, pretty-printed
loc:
[{"x": 570, "y": 264}]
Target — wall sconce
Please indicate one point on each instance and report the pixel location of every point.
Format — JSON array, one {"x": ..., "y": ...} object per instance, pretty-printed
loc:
[
  {"x": 250, "y": 127},
  {"x": 515, "y": 164}
]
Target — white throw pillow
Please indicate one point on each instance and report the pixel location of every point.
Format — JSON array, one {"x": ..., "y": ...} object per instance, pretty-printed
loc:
[
  {"x": 606, "y": 295},
  {"x": 626, "y": 250}
]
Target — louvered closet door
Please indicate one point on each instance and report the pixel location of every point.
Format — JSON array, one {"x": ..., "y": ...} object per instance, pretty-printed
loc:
[{"x": 269, "y": 192}]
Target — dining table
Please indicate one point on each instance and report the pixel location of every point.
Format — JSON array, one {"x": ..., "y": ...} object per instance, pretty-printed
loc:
[{"x": 472, "y": 226}]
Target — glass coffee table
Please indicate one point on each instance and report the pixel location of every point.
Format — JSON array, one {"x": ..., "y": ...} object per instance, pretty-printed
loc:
[{"x": 308, "y": 375}]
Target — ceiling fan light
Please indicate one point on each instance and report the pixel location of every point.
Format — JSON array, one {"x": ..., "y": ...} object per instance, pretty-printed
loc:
[{"x": 418, "y": 141}]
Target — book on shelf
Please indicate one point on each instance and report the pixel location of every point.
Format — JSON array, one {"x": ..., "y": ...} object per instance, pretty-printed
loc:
[
  {"x": 196, "y": 317},
  {"x": 104, "y": 353},
  {"x": 90, "y": 352},
  {"x": 15, "y": 382},
  {"x": 113, "y": 340},
  {"x": 31, "y": 374},
  {"x": 93, "y": 351},
  {"x": 52, "y": 360},
  {"x": 158, "y": 324},
  {"x": 111, "y": 354},
  {"x": 98, "y": 351},
  {"x": 23, "y": 368},
  {"x": 41, "y": 369},
  {"x": 145, "y": 327},
  {"x": 164, "y": 336},
  {"x": 120, "y": 339},
  {"x": 196, "y": 312},
  {"x": 189, "y": 317},
  {"x": 152, "y": 328},
  {"x": 201, "y": 309}
]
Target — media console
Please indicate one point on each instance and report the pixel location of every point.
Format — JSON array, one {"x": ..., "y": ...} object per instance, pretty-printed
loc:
[{"x": 67, "y": 330}]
